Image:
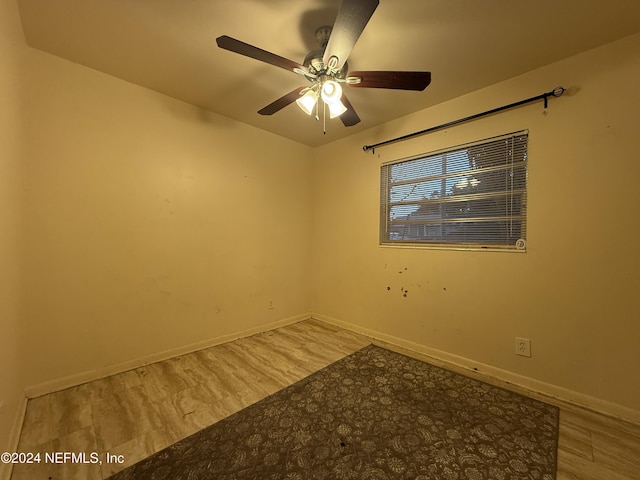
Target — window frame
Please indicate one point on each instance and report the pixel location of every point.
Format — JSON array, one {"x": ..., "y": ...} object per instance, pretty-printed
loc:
[{"x": 516, "y": 165}]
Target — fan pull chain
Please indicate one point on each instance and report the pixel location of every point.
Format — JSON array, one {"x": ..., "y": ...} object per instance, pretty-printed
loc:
[{"x": 324, "y": 118}]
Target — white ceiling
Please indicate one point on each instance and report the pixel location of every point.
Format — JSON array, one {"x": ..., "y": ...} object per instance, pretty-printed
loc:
[{"x": 169, "y": 46}]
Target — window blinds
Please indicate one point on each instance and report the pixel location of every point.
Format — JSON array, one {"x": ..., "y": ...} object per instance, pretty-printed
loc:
[{"x": 470, "y": 196}]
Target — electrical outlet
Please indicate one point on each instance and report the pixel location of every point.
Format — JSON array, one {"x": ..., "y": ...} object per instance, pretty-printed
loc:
[{"x": 523, "y": 347}]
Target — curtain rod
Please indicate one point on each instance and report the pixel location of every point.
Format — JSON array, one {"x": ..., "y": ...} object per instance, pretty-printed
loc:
[{"x": 556, "y": 92}]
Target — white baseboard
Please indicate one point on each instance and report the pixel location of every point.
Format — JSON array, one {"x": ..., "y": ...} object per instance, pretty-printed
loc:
[
  {"x": 14, "y": 439},
  {"x": 88, "y": 376},
  {"x": 549, "y": 392}
]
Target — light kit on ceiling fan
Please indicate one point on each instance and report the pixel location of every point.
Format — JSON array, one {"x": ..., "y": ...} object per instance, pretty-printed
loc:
[
  {"x": 331, "y": 93},
  {"x": 326, "y": 68},
  {"x": 307, "y": 102},
  {"x": 336, "y": 109}
]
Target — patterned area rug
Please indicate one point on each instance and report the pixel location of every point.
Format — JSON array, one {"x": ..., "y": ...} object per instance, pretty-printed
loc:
[{"x": 373, "y": 415}]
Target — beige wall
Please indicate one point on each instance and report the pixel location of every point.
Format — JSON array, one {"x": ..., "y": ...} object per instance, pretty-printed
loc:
[
  {"x": 12, "y": 48},
  {"x": 152, "y": 225},
  {"x": 574, "y": 293}
]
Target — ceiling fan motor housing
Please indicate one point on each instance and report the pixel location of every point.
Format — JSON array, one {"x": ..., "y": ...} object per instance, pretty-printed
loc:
[
  {"x": 314, "y": 60},
  {"x": 315, "y": 65}
]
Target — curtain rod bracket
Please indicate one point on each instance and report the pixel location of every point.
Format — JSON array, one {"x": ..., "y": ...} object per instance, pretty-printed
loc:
[{"x": 556, "y": 92}]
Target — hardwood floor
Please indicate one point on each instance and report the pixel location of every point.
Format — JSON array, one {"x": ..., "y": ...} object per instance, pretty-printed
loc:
[{"x": 134, "y": 414}]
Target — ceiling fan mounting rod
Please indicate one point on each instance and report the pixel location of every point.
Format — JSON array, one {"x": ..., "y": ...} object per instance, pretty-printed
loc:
[{"x": 322, "y": 36}]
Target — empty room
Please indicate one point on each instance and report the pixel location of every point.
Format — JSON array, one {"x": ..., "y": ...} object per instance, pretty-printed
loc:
[{"x": 319, "y": 239}]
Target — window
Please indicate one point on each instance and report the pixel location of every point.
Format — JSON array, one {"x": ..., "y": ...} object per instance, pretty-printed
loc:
[{"x": 470, "y": 196}]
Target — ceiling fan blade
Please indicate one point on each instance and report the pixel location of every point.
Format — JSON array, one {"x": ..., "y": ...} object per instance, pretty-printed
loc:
[
  {"x": 353, "y": 16},
  {"x": 247, "y": 50},
  {"x": 350, "y": 117},
  {"x": 390, "y": 79},
  {"x": 282, "y": 102}
]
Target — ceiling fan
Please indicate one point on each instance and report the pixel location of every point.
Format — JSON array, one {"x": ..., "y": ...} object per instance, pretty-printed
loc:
[{"x": 327, "y": 68}]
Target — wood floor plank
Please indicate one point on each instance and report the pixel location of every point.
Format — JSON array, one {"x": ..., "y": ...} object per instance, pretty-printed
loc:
[
  {"x": 619, "y": 452},
  {"x": 575, "y": 467},
  {"x": 574, "y": 438}
]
